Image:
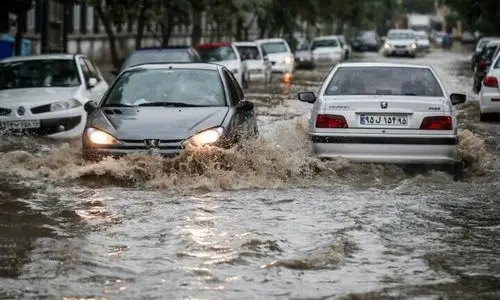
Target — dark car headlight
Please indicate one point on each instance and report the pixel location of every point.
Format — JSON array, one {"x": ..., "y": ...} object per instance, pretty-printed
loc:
[
  {"x": 99, "y": 137},
  {"x": 206, "y": 137}
]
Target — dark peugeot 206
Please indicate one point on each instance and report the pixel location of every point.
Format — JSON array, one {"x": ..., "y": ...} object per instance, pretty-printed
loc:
[{"x": 164, "y": 108}]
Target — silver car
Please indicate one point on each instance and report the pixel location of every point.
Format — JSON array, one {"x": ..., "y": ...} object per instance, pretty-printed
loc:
[{"x": 384, "y": 113}]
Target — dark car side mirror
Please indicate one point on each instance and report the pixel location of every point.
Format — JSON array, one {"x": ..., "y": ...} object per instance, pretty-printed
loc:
[
  {"x": 90, "y": 107},
  {"x": 457, "y": 98},
  {"x": 308, "y": 97},
  {"x": 245, "y": 106}
]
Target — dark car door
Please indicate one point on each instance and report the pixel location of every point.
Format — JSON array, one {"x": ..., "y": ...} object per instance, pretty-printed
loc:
[{"x": 243, "y": 119}]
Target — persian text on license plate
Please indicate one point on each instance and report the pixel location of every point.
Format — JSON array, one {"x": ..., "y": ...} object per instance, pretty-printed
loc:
[
  {"x": 27, "y": 124},
  {"x": 390, "y": 120}
]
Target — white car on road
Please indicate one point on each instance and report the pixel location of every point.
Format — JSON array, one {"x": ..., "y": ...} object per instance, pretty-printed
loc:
[
  {"x": 280, "y": 55},
  {"x": 400, "y": 42},
  {"x": 45, "y": 94},
  {"x": 227, "y": 55},
  {"x": 327, "y": 50},
  {"x": 423, "y": 41},
  {"x": 257, "y": 62},
  {"x": 489, "y": 97},
  {"x": 384, "y": 113}
]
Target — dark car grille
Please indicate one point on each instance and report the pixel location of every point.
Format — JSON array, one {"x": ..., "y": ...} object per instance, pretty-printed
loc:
[
  {"x": 399, "y": 47},
  {"x": 5, "y": 111},
  {"x": 141, "y": 145},
  {"x": 41, "y": 109}
]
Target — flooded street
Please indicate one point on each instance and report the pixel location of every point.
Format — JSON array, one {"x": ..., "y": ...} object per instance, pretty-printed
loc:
[{"x": 264, "y": 222}]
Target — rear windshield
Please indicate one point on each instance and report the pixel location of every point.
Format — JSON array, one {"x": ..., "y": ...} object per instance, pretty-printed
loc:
[
  {"x": 159, "y": 56},
  {"x": 482, "y": 43},
  {"x": 274, "y": 47},
  {"x": 251, "y": 52},
  {"x": 401, "y": 81},
  {"x": 138, "y": 87},
  {"x": 497, "y": 64},
  {"x": 213, "y": 54},
  {"x": 400, "y": 36},
  {"x": 324, "y": 44},
  {"x": 490, "y": 52}
]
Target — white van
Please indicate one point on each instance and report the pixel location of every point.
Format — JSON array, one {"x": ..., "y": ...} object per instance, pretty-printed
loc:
[{"x": 279, "y": 53}]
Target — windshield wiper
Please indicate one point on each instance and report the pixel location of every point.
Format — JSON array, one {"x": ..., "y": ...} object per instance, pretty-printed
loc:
[
  {"x": 170, "y": 104},
  {"x": 117, "y": 105}
]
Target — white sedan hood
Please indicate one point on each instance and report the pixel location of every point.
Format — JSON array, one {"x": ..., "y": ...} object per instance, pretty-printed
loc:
[
  {"x": 36, "y": 96},
  {"x": 400, "y": 42}
]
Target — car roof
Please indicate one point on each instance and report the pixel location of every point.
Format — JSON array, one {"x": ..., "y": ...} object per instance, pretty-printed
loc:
[
  {"x": 270, "y": 40},
  {"x": 493, "y": 43},
  {"x": 326, "y": 37},
  {"x": 161, "y": 66},
  {"x": 382, "y": 65},
  {"x": 170, "y": 48},
  {"x": 212, "y": 45},
  {"x": 401, "y": 30},
  {"x": 245, "y": 44},
  {"x": 41, "y": 57}
]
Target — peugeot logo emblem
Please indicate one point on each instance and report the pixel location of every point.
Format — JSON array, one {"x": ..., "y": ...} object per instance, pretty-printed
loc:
[
  {"x": 21, "y": 111},
  {"x": 383, "y": 104},
  {"x": 152, "y": 144}
]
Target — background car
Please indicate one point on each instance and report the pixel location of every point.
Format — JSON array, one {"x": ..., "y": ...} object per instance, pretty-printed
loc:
[
  {"x": 489, "y": 99},
  {"x": 227, "y": 55},
  {"x": 165, "y": 108},
  {"x": 384, "y": 113},
  {"x": 400, "y": 42},
  {"x": 257, "y": 62},
  {"x": 170, "y": 54},
  {"x": 45, "y": 94},
  {"x": 366, "y": 41},
  {"x": 423, "y": 41},
  {"x": 346, "y": 48},
  {"x": 478, "y": 51},
  {"x": 303, "y": 55},
  {"x": 279, "y": 53},
  {"x": 486, "y": 57},
  {"x": 327, "y": 50}
]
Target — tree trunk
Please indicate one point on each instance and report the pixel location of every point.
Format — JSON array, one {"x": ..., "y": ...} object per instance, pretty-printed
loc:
[
  {"x": 141, "y": 23},
  {"x": 111, "y": 36},
  {"x": 196, "y": 32},
  {"x": 167, "y": 29},
  {"x": 340, "y": 26},
  {"x": 239, "y": 29},
  {"x": 21, "y": 28}
]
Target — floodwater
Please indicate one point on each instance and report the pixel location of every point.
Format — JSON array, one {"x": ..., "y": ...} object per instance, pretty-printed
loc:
[{"x": 264, "y": 222}]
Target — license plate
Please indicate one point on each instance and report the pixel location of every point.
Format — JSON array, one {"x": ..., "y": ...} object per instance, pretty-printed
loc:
[
  {"x": 400, "y": 51},
  {"x": 28, "y": 124},
  {"x": 386, "y": 120}
]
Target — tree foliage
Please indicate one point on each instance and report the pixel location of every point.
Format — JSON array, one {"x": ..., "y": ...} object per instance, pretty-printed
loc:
[{"x": 483, "y": 15}]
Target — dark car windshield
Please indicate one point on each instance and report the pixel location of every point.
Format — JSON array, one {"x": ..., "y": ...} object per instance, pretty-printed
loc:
[
  {"x": 324, "y": 43},
  {"x": 212, "y": 54},
  {"x": 491, "y": 51},
  {"x": 400, "y": 36},
  {"x": 274, "y": 47},
  {"x": 187, "y": 86},
  {"x": 405, "y": 81},
  {"x": 39, "y": 73},
  {"x": 158, "y": 56},
  {"x": 251, "y": 52}
]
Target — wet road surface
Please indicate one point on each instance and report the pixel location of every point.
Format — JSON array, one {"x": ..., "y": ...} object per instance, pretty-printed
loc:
[{"x": 265, "y": 222}]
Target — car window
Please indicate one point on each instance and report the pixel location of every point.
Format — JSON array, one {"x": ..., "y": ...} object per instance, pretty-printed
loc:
[
  {"x": 401, "y": 81},
  {"x": 85, "y": 69},
  {"x": 39, "y": 73},
  {"x": 188, "y": 86},
  {"x": 497, "y": 64},
  {"x": 490, "y": 52},
  {"x": 92, "y": 69},
  {"x": 157, "y": 56},
  {"x": 324, "y": 43},
  {"x": 304, "y": 46},
  {"x": 241, "y": 95},
  {"x": 231, "y": 86},
  {"x": 213, "y": 54},
  {"x": 274, "y": 47},
  {"x": 251, "y": 52}
]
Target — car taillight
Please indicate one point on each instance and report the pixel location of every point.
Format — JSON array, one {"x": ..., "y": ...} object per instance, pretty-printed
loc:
[
  {"x": 331, "y": 121},
  {"x": 482, "y": 64},
  {"x": 490, "y": 81},
  {"x": 437, "y": 123}
]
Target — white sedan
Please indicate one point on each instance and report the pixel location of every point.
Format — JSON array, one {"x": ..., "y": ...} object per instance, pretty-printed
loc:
[
  {"x": 258, "y": 66},
  {"x": 44, "y": 94},
  {"x": 489, "y": 97},
  {"x": 384, "y": 113}
]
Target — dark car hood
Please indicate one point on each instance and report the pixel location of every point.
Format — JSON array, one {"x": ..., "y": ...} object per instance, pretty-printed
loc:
[{"x": 166, "y": 123}]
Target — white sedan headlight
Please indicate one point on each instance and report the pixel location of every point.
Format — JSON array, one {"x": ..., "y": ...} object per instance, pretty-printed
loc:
[
  {"x": 206, "y": 137},
  {"x": 387, "y": 46},
  {"x": 288, "y": 60},
  {"x": 64, "y": 105},
  {"x": 100, "y": 137}
]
